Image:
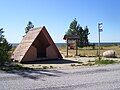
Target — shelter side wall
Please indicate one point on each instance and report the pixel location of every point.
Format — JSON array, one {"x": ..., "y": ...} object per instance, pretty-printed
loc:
[
  {"x": 31, "y": 55},
  {"x": 51, "y": 42},
  {"x": 50, "y": 52}
]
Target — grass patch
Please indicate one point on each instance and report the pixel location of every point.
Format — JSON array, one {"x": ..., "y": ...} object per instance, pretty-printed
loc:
[
  {"x": 13, "y": 67},
  {"x": 105, "y": 61},
  {"x": 19, "y": 67},
  {"x": 88, "y": 64}
]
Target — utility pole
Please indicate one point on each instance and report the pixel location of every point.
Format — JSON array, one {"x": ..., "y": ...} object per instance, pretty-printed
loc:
[{"x": 100, "y": 29}]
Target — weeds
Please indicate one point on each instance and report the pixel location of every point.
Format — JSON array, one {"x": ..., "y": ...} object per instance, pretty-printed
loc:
[
  {"x": 72, "y": 65},
  {"x": 80, "y": 62},
  {"x": 13, "y": 67},
  {"x": 51, "y": 67},
  {"x": 45, "y": 67},
  {"x": 102, "y": 61}
]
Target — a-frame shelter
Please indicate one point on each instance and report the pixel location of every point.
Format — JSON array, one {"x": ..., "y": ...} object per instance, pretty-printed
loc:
[{"x": 37, "y": 44}]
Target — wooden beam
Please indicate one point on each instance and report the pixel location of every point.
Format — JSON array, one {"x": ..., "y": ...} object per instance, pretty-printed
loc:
[
  {"x": 67, "y": 47},
  {"x": 76, "y": 48}
]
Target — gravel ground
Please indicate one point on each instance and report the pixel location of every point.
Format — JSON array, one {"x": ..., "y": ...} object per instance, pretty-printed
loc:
[
  {"x": 65, "y": 63},
  {"x": 85, "y": 78}
]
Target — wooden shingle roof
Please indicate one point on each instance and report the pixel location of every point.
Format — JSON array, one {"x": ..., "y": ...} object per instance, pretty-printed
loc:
[{"x": 26, "y": 42}]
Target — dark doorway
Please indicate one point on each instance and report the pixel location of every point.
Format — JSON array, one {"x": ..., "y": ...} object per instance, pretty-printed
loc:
[
  {"x": 41, "y": 52},
  {"x": 41, "y": 43}
]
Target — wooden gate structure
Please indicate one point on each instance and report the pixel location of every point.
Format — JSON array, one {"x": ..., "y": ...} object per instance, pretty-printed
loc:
[{"x": 71, "y": 42}]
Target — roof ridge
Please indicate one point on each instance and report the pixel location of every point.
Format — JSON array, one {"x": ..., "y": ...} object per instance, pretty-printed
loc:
[{"x": 36, "y": 28}]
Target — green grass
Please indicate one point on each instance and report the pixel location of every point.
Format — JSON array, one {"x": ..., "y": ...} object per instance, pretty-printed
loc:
[
  {"x": 19, "y": 67},
  {"x": 13, "y": 67},
  {"x": 102, "y": 61}
]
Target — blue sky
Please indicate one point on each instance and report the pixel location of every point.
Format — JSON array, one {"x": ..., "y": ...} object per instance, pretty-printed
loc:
[{"x": 56, "y": 15}]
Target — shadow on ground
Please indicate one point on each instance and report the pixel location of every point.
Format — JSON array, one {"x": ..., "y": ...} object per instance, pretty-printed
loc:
[
  {"x": 51, "y": 61},
  {"x": 36, "y": 73},
  {"x": 33, "y": 73}
]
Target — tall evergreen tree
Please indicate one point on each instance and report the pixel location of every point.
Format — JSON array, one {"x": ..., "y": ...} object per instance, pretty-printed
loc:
[
  {"x": 72, "y": 28},
  {"x": 80, "y": 34},
  {"x": 4, "y": 48},
  {"x": 76, "y": 29},
  {"x": 85, "y": 38}
]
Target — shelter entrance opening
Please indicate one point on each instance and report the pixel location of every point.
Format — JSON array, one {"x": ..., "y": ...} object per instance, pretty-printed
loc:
[
  {"x": 41, "y": 45},
  {"x": 41, "y": 52}
]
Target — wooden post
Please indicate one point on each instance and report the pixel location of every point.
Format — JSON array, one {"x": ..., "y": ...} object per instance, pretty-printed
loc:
[
  {"x": 76, "y": 48},
  {"x": 67, "y": 47}
]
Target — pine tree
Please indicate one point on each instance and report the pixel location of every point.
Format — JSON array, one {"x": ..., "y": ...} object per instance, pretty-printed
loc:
[
  {"x": 72, "y": 28},
  {"x": 76, "y": 29},
  {"x": 29, "y": 26},
  {"x": 85, "y": 38},
  {"x": 80, "y": 34},
  {"x": 5, "y": 47}
]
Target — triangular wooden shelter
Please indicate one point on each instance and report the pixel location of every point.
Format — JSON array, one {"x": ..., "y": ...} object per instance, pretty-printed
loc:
[{"x": 36, "y": 45}]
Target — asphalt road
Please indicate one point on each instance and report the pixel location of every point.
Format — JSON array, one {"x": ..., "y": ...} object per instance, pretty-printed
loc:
[{"x": 85, "y": 78}]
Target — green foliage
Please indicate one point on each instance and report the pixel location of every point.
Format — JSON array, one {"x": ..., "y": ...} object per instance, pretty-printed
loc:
[
  {"x": 29, "y": 26},
  {"x": 102, "y": 61},
  {"x": 76, "y": 29},
  {"x": 14, "y": 67},
  {"x": 5, "y": 47},
  {"x": 73, "y": 28}
]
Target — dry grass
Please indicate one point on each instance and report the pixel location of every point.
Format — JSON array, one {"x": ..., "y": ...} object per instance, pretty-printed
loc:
[{"x": 89, "y": 51}]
